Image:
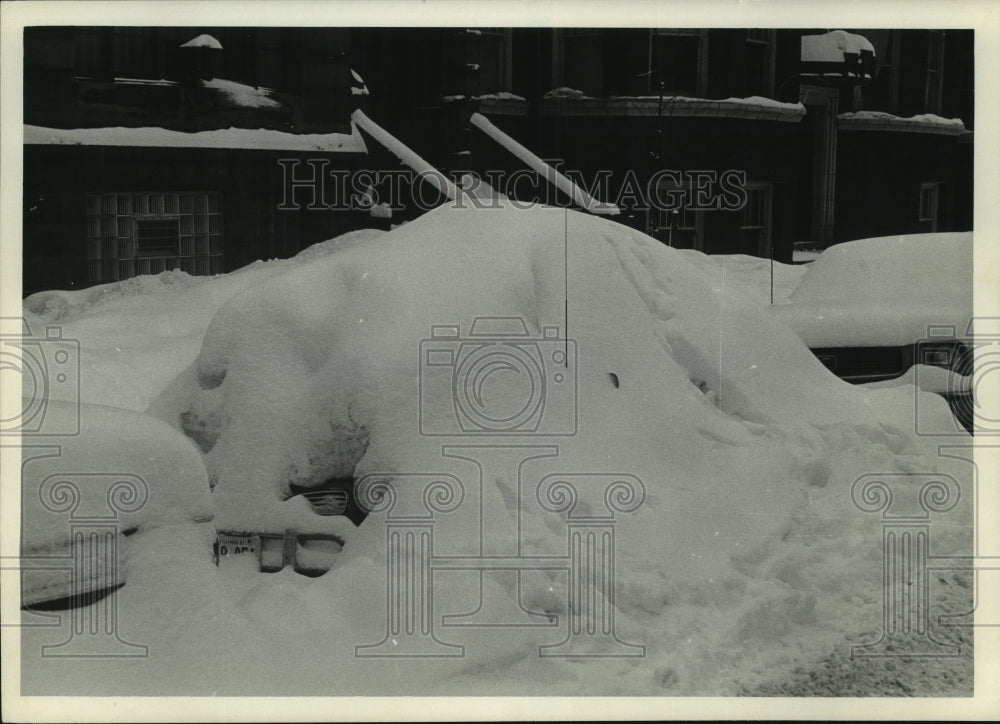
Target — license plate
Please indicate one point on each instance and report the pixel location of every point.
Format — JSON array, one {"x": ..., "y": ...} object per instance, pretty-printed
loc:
[{"x": 232, "y": 546}]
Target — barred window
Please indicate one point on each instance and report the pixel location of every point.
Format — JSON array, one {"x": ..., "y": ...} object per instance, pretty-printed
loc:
[{"x": 147, "y": 233}]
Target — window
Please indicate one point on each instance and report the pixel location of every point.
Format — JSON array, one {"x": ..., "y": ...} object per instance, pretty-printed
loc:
[
  {"x": 148, "y": 233},
  {"x": 494, "y": 60},
  {"x": 583, "y": 60},
  {"x": 935, "y": 66},
  {"x": 757, "y": 216},
  {"x": 682, "y": 224},
  {"x": 759, "y": 62},
  {"x": 678, "y": 61},
  {"x": 882, "y": 93},
  {"x": 158, "y": 237},
  {"x": 136, "y": 53},
  {"x": 93, "y": 53},
  {"x": 928, "y": 205}
]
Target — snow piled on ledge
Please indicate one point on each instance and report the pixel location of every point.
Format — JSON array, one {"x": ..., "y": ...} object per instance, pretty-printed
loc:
[
  {"x": 252, "y": 139},
  {"x": 887, "y": 121}
]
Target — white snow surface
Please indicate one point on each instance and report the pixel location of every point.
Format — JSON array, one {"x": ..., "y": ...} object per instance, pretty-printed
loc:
[
  {"x": 924, "y": 122},
  {"x": 203, "y": 41},
  {"x": 136, "y": 335},
  {"x": 746, "y": 560},
  {"x": 830, "y": 47},
  {"x": 920, "y": 118},
  {"x": 884, "y": 291},
  {"x": 752, "y": 275},
  {"x": 160, "y": 481},
  {"x": 236, "y": 138},
  {"x": 241, "y": 94}
]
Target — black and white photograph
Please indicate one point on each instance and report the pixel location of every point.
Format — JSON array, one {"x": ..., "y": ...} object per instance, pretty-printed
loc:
[{"x": 588, "y": 361}]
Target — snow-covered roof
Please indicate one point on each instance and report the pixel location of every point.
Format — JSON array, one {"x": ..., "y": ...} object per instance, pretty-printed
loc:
[
  {"x": 751, "y": 108},
  {"x": 830, "y": 47},
  {"x": 246, "y": 96},
  {"x": 256, "y": 139},
  {"x": 878, "y": 121},
  {"x": 203, "y": 41},
  {"x": 837, "y": 53}
]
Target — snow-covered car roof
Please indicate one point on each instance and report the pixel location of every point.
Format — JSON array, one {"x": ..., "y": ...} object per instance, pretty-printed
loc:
[{"x": 884, "y": 291}]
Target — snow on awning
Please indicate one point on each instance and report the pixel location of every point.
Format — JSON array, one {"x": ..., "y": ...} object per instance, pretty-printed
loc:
[
  {"x": 837, "y": 53},
  {"x": 878, "y": 121},
  {"x": 753, "y": 108},
  {"x": 579, "y": 196},
  {"x": 253, "y": 139}
]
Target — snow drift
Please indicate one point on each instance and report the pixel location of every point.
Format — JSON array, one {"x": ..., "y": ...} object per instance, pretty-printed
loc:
[
  {"x": 124, "y": 467},
  {"x": 746, "y": 558}
]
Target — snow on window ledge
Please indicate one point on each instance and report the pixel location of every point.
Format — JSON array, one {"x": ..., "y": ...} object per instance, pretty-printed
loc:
[
  {"x": 752, "y": 108},
  {"x": 878, "y": 121},
  {"x": 231, "y": 138}
]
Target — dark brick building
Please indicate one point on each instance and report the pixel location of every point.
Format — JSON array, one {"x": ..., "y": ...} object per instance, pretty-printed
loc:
[{"x": 832, "y": 142}]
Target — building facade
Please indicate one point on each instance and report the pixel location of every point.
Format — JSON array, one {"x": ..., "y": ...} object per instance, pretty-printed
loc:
[
  {"x": 149, "y": 149},
  {"x": 833, "y": 142},
  {"x": 725, "y": 140}
]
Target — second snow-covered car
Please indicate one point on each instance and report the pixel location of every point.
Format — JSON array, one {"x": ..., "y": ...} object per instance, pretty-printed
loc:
[{"x": 877, "y": 309}]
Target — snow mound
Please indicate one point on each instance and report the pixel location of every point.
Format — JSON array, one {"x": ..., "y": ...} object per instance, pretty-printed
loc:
[
  {"x": 751, "y": 274},
  {"x": 353, "y": 364},
  {"x": 123, "y": 467},
  {"x": 138, "y": 334}
]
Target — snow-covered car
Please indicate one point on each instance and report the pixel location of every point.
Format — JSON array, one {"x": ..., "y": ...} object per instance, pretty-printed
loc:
[
  {"x": 877, "y": 309},
  {"x": 87, "y": 496},
  {"x": 722, "y": 452}
]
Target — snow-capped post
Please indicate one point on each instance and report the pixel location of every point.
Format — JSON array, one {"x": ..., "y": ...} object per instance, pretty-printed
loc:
[
  {"x": 425, "y": 172},
  {"x": 580, "y": 197}
]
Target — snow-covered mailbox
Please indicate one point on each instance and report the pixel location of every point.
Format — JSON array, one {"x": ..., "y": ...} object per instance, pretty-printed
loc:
[{"x": 838, "y": 54}]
